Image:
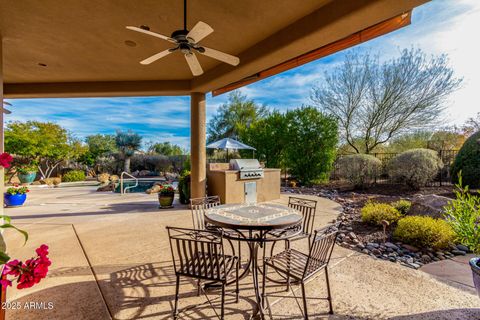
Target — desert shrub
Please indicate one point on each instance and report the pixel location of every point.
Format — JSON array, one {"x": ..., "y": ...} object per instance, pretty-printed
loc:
[
  {"x": 415, "y": 167},
  {"x": 468, "y": 162},
  {"x": 74, "y": 175},
  {"x": 359, "y": 169},
  {"x": 421, "y": 231},
  {"x": 375, "y": 213},
  {"x": 463, "y": 215},
  {"x": 402, "y": 205}
]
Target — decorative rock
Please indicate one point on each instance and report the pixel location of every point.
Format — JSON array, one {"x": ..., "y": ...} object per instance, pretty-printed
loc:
[
  {"x": 461, "y": 247},
  {"x": 360, "y": 246},
  {"x": 376, "y": 251},
  {"x": 429, "y": 205},
  {"x": 352, "y": 235},
  {"x": 408, "y": 259},
  {"x": 391, "y": 246},
  {"x": 411, "y": 248},
  {"x": 459, "y": 252},
  {"x": 426, "y": 258},
  {"x": 413, "y": 265},
  {"x": 365, "y": 251},
  {"x": 373, "y": 244}
]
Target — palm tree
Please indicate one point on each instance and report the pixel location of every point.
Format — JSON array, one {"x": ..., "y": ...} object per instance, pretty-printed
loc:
[{"x": 127, "y": 143}]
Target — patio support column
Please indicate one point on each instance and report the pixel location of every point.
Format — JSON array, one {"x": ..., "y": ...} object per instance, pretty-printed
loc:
[
  {"x": 2, "y": 170},
  {"x": 198, "y": 144}
]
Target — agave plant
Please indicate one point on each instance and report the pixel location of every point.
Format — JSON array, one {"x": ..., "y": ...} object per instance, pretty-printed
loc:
[{"x": 127, "y": 143}]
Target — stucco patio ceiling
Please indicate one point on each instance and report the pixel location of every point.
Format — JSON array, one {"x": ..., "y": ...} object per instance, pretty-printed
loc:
[{"x": 55, "y": 48}]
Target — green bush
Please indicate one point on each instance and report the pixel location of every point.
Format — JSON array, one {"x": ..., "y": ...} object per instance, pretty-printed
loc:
[
  {"x": 184, "y": 187},
  {"x": 359, "y": 169},
  {"x": 312, "y": 143},
  {"x": 403, "y": 206},
  {"x": 375, "y": 213},
  {"x": 463, "y": 215},
  {"x": 74, "y": 175},
  {"x": 415, "y": 167},
  {"x": 421, "y": 231},
  {"x": 468, "y": 162}
]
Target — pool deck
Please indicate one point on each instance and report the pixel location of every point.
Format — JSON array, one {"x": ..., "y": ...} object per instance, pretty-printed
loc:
[{"x": 111, "y": 259}]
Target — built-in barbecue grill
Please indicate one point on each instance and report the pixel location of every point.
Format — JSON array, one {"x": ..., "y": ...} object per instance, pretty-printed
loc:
[{"x": 249, "y": 168}]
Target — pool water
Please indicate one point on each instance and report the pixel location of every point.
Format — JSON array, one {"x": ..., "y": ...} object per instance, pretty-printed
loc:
[{"x": 143, "y": 185}]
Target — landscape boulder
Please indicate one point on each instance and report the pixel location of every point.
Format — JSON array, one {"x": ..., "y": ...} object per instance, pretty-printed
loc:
[{"x": 429, "y": 205}]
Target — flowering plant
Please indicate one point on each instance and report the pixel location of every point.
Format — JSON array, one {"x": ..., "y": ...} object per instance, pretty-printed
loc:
[
  {"x": 30, "y": 272},
  {"x": 167, "y": 190},
  {"x": 17, "y": 190},
  {"x": 5, "y": 160},
  {"x": 26, "y": 273}
]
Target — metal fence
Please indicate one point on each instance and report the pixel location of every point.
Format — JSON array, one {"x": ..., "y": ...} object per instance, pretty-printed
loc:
[{"x": 443, "y": 177}]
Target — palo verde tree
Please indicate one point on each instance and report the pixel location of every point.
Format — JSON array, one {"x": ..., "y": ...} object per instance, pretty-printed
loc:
[
  {"x": 45, "y": 144},
  {"x": 127, "y": 143},
  {"x": 376, "y": 101},
  {"x": 234, "y": 116}
]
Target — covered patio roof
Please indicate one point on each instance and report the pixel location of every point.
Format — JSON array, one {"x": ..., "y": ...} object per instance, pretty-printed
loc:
[{"x": 55, "y": 48}]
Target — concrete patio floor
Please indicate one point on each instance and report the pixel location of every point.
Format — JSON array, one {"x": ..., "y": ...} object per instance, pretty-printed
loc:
[{"x": 111, "y": 258}]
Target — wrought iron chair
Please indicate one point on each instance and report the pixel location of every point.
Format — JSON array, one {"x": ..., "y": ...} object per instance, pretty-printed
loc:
[
  {"x": 198, "y": 207},
  {"x": 199, "y": 254},
  {"x": 299, "y": 266}
]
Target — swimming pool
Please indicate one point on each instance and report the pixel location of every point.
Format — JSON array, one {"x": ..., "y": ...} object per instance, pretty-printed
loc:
[{"x": 143, "y": 184}]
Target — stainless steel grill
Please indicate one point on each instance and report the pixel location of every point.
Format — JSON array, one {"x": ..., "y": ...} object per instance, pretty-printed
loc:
[{"x": 249, "y": 168}]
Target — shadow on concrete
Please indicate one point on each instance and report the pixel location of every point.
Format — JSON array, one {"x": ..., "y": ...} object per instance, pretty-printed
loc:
[
  {"x": 449, "y": 314},
  {"x": 111, "y": 209}
]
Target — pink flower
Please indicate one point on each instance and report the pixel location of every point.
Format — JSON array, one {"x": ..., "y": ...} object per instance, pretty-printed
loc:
[
  {"x": 5, "y": 160},
  {"x": 30, "y": 272}
]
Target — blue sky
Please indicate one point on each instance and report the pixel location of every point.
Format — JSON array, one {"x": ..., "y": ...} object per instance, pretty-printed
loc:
[{"x": 440, "y": 26}]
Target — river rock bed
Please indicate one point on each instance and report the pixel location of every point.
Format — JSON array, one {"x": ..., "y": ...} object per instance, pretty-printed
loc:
[{"x": 371, "y": 240}]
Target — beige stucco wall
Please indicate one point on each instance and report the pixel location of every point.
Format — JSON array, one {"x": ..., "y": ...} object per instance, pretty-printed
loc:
[{"x": 227, "y": 184}]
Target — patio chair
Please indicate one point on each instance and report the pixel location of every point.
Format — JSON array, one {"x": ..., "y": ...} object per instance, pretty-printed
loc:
[
  {"x": 199, "y": 254},
  {"x": 198, "y": 207},
  {"x": 301, "y": 267}
]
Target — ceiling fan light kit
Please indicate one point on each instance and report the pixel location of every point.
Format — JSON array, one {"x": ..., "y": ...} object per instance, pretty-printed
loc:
[{"x": 187, "y": 43}]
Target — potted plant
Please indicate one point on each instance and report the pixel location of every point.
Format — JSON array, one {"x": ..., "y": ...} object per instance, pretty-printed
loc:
[
  {"x": 165, "y": 196},
  {"x": 15, "y": 196},
  {"x": 27, "y": 174}
]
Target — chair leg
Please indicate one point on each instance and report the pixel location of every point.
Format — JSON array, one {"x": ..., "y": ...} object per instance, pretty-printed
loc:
[
  {"x": 263, "y": 282},
  {"x": 198, "y": 287},
  {"x": 329, "y": 292},
  {"x": 304, "y": 302},
  {"x": 222, "y": 314},
  {"x": 287, "y": 247},
  {"x": 175, "y": 310},
  {"x": 237, "y": 290}
]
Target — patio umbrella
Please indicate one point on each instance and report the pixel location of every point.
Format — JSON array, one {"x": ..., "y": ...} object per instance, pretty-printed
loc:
[{"x": 228, "y": 143}]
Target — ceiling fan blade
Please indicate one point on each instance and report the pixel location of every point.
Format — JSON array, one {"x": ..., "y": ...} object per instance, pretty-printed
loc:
[
  {"x": 199, "y": 31},
  {"x": 158, "y": 35},
  {"x": 193, "y": 63},
  {"x": 155, "y": 57},
  {"x": 7, "y": 111},
  {"x": 224, "y": 57}
]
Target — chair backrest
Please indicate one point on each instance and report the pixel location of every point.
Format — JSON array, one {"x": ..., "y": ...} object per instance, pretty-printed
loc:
[
  {"x": 198, "y": 207},
  {"x": 308, "y": 209},
  {"x": 197, "y": 253},
  {"x": 321, "y": 248}
]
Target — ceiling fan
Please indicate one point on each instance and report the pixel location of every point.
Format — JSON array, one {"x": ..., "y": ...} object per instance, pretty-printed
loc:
[
  {"x": 6, "y": 111},
  {"x": 187, "y": 42}
]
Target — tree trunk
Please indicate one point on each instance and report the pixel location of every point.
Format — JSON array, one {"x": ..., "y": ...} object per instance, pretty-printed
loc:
[{"x": 126, "y": 165}]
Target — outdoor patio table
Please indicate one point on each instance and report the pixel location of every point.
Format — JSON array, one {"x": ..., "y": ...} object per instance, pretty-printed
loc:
[{"x": 252, "y": 223}]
